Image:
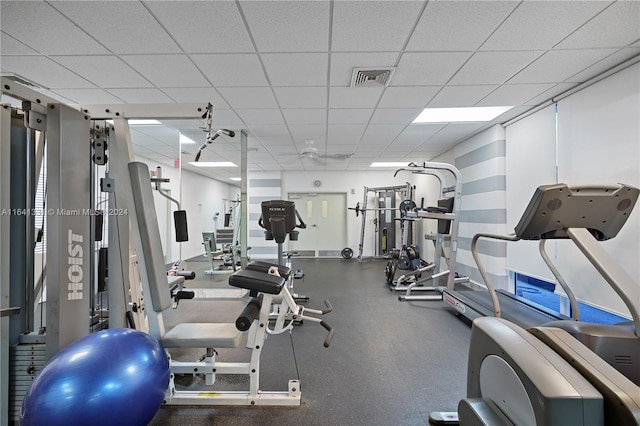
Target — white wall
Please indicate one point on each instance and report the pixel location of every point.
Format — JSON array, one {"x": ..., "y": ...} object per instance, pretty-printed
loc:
[
  {"x": 201, "y": 198},
  {"x": 353, "y": 184}
]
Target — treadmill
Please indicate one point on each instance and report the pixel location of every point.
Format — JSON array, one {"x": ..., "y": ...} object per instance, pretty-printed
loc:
[{"x": 555, "y": 211}]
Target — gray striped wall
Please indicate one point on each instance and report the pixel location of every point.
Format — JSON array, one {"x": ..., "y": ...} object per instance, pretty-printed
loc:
[{"x": 487, "y": 214}]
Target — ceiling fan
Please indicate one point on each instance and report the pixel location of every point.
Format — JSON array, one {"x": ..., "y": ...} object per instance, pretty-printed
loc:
[{"x": 311, "y": 153}]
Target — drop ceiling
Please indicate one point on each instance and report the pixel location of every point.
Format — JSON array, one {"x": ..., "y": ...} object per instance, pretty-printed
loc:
[{"x": 281, "y": 70}]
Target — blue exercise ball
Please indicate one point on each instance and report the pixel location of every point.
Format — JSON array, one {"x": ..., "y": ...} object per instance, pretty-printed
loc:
[{"x": 112, "y": 377}]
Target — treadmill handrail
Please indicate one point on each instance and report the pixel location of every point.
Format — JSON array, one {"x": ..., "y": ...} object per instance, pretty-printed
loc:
[
  {"x": 575, "y": 310},
  {"x": 619, "y": 280},
  {"x": 483, "y": 271}
]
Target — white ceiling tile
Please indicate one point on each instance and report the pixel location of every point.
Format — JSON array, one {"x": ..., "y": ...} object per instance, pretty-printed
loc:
[
  {"x": 274, "y": 132},
  {"x": 605, "y": 64},
  {"x": 167, "y": 70},
  {"x": 407, "y": 97},
  {"x": 344, "y": 132},
  {"x": 130, "y": 29},
  {"x": 415, "y": 134},
  {"x": 44, "y": 29},
  {"x": 348, "y": 97},
  {"x": 226, "y": 118},
  {"x": 382, "y": 132},
  {"x": 439, "y": 27},
  {"x": 296, "y": 69},
  {"x": 231, "y": 69},
  {"x": 395, "y": 115},
  {"x": 305, "y": 116},
  {"x": 453, "y": 132},
  {"x": 616, "y": 26},
  {"x": 11, "y": 46},
  {"x": 249, "y": 97},
  {"x": 372, "y": 25},
  {"x": 301, "y": 97},
  {"x": 104, "y": 71},
  {"x": 44, "y": 72},
  {"x": 273, "y": 25},
  {"x": 197, "y": 94},
  {"x": 557, "y": 66},
  {"x": 260, "y": 116},
  {"x": 141, "y": 96},
  {"x": 513, "y": 94},
  {"x": 493, "y": 67},
  {"x": 203, "y": 26},
  {"x": 349, "y": 116},
  {"x": 342, "y": 64},
  {"x": 555, "y": 90},
  {"x": 89, "y": 96},
  {"x": 302, "y": 132},
  {"x": 541, "y": 24},
  {"x": 460, "y": 96},
  {"x": 427, "y": 69}
]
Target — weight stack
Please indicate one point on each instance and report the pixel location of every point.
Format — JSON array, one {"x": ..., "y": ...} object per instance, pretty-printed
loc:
[
  {"x": 25, "y": 363},
  {"x": 224, "y": 236}
]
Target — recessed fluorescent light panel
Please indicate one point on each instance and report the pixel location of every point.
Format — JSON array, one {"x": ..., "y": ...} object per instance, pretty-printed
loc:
[
  {"x": 144, "y": 123},
  {"x": 185, "y": 140},
  {"x": 236, "y": 179},
  {"x": 453, "y": 115},
  {"x": 212, "y": 164},
  {"x": 389, "y": 164}
]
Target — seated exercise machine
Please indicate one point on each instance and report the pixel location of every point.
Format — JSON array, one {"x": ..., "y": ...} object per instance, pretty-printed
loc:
[
  {"x": 252, "y": 325},
  {"x": 228, "y": 256},
  {"x": 562, "y": 372},
  {"x": 229, "y": 252}
]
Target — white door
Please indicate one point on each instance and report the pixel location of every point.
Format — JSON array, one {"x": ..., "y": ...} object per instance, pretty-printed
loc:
[{"x": 325, "y": 217}]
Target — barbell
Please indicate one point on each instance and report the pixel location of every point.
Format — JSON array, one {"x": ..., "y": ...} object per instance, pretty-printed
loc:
[{"x": 405, "y": 206}]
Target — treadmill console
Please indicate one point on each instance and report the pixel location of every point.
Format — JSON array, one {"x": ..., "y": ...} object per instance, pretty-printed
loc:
[{"x": 601, "y": 209}]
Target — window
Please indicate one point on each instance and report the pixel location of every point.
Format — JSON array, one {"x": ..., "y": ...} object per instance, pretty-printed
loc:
[{"x": 543, "y": 293}]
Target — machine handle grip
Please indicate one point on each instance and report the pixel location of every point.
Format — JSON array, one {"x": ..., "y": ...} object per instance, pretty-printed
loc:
[
  {"x": 327, "y": 340},
  {"x": 184, "y": 294},
  {"x": 249, "y": 314},
  {"x": 188, "y": 275},
  {"x": 329, "y": 307}
]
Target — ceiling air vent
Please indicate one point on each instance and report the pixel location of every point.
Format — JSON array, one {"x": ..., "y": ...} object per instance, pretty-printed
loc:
[{"x": 371, "y": 77}]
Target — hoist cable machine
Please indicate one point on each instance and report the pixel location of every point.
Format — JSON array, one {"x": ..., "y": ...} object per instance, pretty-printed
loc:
[
  {"x": 64, "y": 251},
  {"x": 50, "y": 284}
]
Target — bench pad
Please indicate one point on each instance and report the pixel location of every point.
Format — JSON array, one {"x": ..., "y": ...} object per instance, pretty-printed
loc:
[
  {"x": 260, "y": 266},
  {"x": 257, "y": 281},
  {"x": 202, "y": 335}
]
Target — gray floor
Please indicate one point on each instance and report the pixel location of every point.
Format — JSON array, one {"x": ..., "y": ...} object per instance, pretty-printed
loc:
[{"x": 390, "y": 363}]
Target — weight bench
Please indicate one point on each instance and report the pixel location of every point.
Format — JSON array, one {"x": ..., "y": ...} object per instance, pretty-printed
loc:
[{"x": 253, "y": 322}]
